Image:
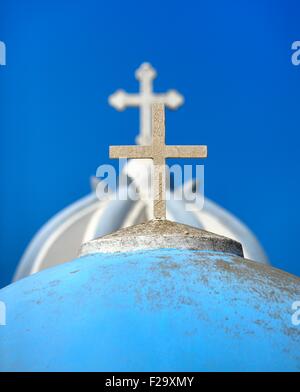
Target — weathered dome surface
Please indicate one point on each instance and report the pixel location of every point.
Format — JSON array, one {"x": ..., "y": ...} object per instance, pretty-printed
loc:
[{"x": 152, "y": 310}]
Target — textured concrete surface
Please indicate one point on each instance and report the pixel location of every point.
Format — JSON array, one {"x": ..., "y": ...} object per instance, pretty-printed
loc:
[{"x": 157, "y": 234}]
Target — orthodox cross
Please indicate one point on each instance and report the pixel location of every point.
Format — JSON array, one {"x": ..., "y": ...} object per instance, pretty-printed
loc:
[
  {"x": 120, "y": 100},
  {"x": 158, "y": 152}
]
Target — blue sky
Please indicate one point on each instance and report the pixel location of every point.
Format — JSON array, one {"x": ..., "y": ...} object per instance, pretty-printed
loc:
[{"x": 231, "y": 61}]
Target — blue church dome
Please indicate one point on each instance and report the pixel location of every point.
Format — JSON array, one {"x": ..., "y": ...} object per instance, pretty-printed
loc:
[{"x": 154, "y": 297}]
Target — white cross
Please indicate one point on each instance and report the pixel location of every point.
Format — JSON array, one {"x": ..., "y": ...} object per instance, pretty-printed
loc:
[{"x": 121, "y": 99}]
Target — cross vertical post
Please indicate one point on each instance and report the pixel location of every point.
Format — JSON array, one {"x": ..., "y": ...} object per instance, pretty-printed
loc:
[
  {"x": 159, "y": 177},
  {"x": 145, "y": 75}
]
